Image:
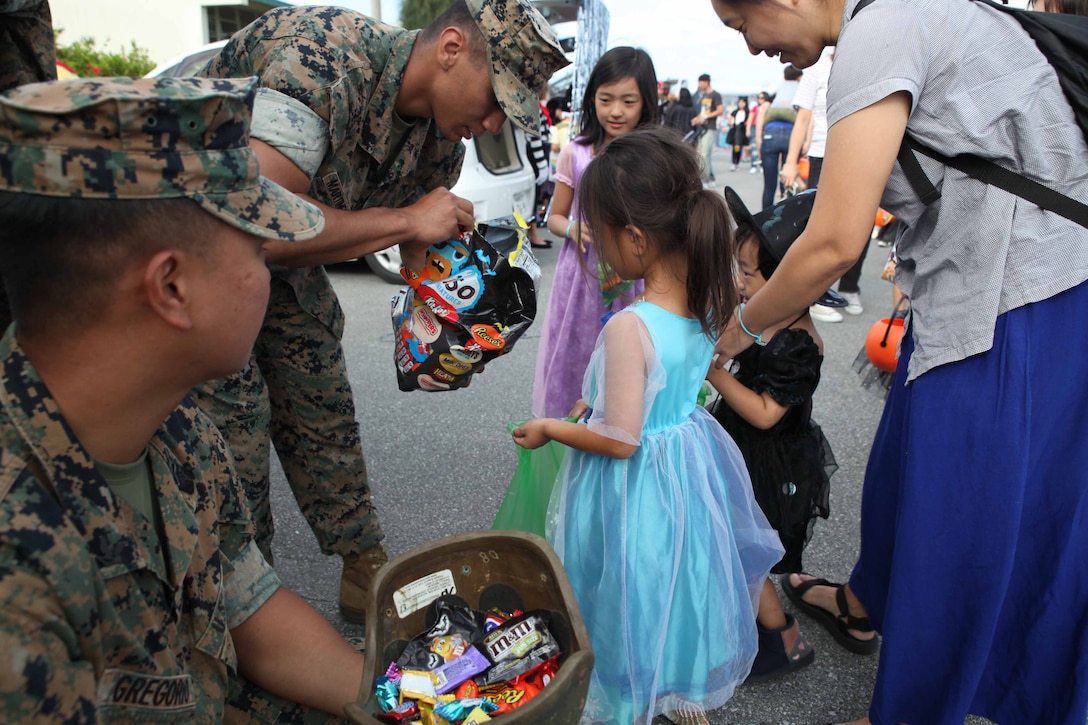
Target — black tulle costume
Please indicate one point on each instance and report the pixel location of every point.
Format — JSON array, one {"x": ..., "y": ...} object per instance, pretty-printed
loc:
[{"x": 791, "y": 463}]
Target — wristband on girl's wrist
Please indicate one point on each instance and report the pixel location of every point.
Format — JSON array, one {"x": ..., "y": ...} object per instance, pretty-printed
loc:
[
  {"x": 758, "y": 338},
  {"x": 570, "y": 225}
]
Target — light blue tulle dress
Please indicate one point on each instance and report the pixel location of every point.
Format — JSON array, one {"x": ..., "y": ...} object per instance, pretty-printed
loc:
[{"x": 666, "y": 551}]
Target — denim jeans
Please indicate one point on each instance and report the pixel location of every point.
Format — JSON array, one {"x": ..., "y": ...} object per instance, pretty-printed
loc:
[{"x": 776, "y": 142}]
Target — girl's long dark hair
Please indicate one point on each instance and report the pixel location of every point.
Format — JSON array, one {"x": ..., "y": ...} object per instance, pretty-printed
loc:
[
  {"x": 615, "y": 65},
  {"x": 650, "y": 179}
]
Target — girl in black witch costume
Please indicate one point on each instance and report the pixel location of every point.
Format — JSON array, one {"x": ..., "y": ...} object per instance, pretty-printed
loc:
[{"x": 766, "y": 406}]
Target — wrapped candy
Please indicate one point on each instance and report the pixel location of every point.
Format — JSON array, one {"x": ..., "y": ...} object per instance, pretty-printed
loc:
[
  {"x": 509, "y": 696},
  {"x": 456, "y": 672},
  {"x": 388, "y": 694},
  {"x": 477, "y": 717},
  {"x": 448, "y": 676},
  {"x": 454, "y": 622},
  {"x": 517, "y": 646},
  {"x": 418, "y": 686},
  {"x": 402, "y": 713},
  {"x": 468, "y": 305},
  {"x": 459, "y": 709}
]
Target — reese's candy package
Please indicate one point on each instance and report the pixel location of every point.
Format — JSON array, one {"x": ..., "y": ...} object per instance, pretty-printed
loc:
[
  {"x": 509, "y": 695},
  {"x": 474, "y": 298}
]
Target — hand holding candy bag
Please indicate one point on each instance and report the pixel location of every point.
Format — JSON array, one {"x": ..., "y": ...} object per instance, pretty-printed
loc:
[{"x": 468, "y": 305}]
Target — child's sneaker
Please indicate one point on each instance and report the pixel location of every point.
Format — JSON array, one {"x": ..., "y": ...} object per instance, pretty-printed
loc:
[
  {"x": 853, "y": 303},
  {"x": 824, "y": 314}
]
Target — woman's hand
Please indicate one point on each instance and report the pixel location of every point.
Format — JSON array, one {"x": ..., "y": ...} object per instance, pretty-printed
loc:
[
  {"x": 791, "y": 170},
  {"x": 578, "y": 410},
  {"x": 733, "y": 342},
  {"x": 530, "y": 434}
]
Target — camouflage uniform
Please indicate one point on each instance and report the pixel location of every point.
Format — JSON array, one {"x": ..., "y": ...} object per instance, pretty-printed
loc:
[
  {"x": 347, "y": 68},
  {"x": 98, "y": 618},
  {"x": 103, "y": 615},
  {"x": 28, "y": 54}
]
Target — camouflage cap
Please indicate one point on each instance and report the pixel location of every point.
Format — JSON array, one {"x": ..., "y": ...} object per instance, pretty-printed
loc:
[
  {"x": 524, "y": 53},
  {"x": 154, "y": 138}
]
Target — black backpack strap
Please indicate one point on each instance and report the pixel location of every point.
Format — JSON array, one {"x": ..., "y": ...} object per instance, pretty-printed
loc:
[
  {"x": 860, "y": 6},
  {"x": 988, "y": 173},
  {"x": 921, "y": 184},
  {"x": 1052, "y": 42}
]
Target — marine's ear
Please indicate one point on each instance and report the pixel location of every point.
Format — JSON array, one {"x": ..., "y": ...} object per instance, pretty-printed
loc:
[
  {"x": 166, "y": 289},
  {"x": 452, "y": 44}
]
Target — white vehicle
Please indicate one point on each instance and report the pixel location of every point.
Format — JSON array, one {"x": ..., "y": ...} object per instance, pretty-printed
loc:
[{"x": 495, "y": 176}]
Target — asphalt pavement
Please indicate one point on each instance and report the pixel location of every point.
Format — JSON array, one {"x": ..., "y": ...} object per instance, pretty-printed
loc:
[{"x": 439, "y": 464}]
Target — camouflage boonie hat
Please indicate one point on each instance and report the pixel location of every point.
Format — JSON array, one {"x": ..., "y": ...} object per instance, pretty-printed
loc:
[
  {"x": 523, "y": 54},
  {"x": 147, "y": 138}
]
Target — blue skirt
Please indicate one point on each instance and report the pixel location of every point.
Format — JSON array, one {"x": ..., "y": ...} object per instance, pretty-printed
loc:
[{"x": 974, "y": 526}]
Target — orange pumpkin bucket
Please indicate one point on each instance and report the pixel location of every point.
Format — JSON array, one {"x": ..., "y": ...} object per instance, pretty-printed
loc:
[{"x": 882, "y": 343}]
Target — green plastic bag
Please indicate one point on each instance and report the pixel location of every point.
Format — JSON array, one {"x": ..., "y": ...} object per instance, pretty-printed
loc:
[{"x": 525, "y": 505}]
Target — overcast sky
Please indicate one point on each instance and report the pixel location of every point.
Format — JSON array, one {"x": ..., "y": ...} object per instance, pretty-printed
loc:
[{"x": 684, "y": 41}]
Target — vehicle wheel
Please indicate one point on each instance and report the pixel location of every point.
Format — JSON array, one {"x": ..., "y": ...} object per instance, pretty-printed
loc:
[{"x": 386, "y": 264}]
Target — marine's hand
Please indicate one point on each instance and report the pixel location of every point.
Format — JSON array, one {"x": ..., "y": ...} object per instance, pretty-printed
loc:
[
  {"x": 438, "y": 216},
  {"x": 531, "y": 433},
  {"x": 732, "y": 342}
]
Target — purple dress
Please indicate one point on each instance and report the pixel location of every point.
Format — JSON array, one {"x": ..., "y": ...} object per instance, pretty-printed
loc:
[{"x": 575, "y": 307}]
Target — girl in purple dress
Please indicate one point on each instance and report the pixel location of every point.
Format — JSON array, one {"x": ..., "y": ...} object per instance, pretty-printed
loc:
[{"x": 621, "y": 95}]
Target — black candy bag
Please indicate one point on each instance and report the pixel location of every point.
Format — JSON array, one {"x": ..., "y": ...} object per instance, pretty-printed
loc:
[
  {"x": 453, "y": 626},
  {"x": 472, "y": 301}
]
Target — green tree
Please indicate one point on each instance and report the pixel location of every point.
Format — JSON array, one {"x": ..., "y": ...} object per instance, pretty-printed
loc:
[
  {"x": 419, "y": 13},
  {"x": 86, "y": 59}
]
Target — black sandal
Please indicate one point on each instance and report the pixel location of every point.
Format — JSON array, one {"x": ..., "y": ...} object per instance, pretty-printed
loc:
[{"x": 838, "y": 625}]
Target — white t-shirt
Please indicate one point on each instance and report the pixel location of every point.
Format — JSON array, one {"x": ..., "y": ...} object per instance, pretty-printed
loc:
[{"x": 812, "y": 95}]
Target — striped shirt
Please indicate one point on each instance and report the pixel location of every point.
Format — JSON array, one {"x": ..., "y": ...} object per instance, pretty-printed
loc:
[{"x": 978, "y": 85}]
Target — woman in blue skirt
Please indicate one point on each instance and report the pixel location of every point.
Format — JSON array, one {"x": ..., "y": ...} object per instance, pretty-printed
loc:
[{"x": 974, "y": 531}]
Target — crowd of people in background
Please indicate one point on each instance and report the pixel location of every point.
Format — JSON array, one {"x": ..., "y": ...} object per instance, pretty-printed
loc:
[{"x": 739, "y": 125}]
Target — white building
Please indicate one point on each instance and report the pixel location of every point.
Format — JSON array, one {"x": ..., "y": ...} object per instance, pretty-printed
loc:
[{"x": 165, "y": 28}]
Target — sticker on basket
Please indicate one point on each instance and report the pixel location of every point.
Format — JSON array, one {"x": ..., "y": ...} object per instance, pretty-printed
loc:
[{"x": 418, "y": 594}]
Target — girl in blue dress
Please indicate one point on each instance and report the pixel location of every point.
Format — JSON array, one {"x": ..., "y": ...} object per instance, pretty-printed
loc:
[{"x": 653, "y": 514}]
